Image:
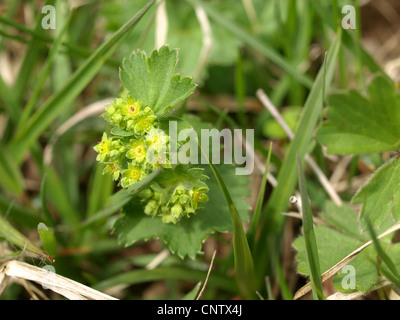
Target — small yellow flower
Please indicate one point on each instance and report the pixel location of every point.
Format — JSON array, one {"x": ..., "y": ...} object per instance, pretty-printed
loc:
[
  {"x": 157, "y": 139},
  {"x": 135, "y": 174},
  {"x": 198, "y": 195},
  {"x": 132, "y": 108},
  {"x": 103, "y": 148},
  {"x": 144, "y": 121},
  {"x": 132, "y": 175},
  {"x": 136, "y": 151},
  {"x": 113, "y": 169}
]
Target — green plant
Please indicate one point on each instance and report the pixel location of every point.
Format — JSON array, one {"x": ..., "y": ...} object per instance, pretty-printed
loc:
[
  {"x": 358, "y": 124},
  {"x": 178, "y": 190},
  {"x": 159, "y": 227}
]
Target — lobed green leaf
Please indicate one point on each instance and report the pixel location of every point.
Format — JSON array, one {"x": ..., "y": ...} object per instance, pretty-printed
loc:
[
  {"x": 185, "y": 237},
  {"x": 362, "y": 124},
  {"x": 152, "y": 81}
]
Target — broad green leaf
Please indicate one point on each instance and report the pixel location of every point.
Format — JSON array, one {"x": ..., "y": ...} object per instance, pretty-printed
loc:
[
  {"x": 185, "y": 237},
  {"x": 381, "y": 195},
  {"x": 365, "y": 271},
  {"x": 335, "y": 243},
  {"x": 152, "y": 79},
  {"x": 343, "y": 218},
  {"x": 121, "y": 133},
  {"x": 362, "y": 124}
]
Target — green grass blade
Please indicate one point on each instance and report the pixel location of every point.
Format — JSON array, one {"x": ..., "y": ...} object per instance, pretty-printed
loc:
[
  {"x": 218, "y": 112},
  {"x": 59, "y": 198},
  {"x": 11, "y": 178},
  {"x": 254, "y": 43},
  {"x": 273, "y": 222},
  {"x": 42, "y": 37},
  {"x": 113, "y": 204},
  {"x": 27, "y": 135},
  {"x": 395, "y": 276},
  {"x": 28, "y": 64},
  {"x": 43, "y": 76},
  {"x": 240, "y": 90},
  {"x": 45, "y": 209},
  {"x": 192, "y": 294},
  {"x": 100, "y": 189},
  {"x": 309, "y": 237},
  {"x": 244, "y": 266},
  {"x": 348, "y": 38},
  {"x": 119, "y": 199},
  {"x": 167, "y": 273},
  {"x": 8, "y": 232},
  {"x": 255, "y": 222},
  {"x": 22, "y": 215},
  {"x": 279, "y": 273},
  {"x": 48, "y": 239},
  {"x": 8, "y": 98}
]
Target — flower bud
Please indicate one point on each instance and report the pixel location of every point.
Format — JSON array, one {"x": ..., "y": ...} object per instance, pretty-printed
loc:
[
  {"x": 176, "y": 211},
  {"x": 151, "y": 208},
  {"x": 110, "y": 109},
  {"x": 117, "y": 118},
  {"x": 146, "y": 194}
]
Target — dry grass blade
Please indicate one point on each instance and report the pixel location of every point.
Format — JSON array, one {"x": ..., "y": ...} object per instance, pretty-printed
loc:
[
  {"x": 158, "y": 260},
  {"x": 208, "y": 274},
  {"x": 64, "y": 286},
  {"x": 333, "y": 270},
  {"x": 297, "y": 215},
  {"x": 382, "y": 282},
  {"x": 161, "y": 23},
  {"x": 91, "y": 110},
  {"x": 207, "y": 40},
  {"x": 278, "y": 117}
]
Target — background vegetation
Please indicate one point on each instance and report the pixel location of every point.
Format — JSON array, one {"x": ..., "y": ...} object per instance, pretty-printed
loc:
[{"x": 54, "y": 84}]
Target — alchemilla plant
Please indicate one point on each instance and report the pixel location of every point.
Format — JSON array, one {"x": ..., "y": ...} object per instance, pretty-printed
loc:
[
  {"x": 176, "y": 202},
  {"x": 137, "y": 147}
]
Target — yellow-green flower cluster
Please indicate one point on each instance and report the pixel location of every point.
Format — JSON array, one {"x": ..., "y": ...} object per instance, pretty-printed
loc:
[
  {"x": 137, "y": 147},
  {"x": 182, "y": 203},
  {"x": 141, "y": 147},
  {"x": 128, "y": 114}
]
